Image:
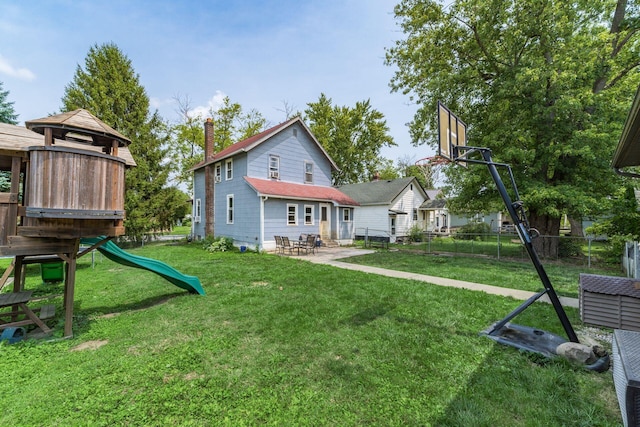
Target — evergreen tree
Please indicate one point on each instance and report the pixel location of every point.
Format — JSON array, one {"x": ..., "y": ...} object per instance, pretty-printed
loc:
[
  {"x": 110, "y": 89},
  {"x": 7, "y": 113}
]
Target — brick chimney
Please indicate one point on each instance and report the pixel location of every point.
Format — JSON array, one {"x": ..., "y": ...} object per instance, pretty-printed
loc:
[
  {"x": 209, "y": 227},
  {"x": 208, "y": 139}
]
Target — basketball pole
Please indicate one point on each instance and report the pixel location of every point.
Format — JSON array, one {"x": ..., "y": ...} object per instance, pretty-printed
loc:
[{"x": 516, "y": 211}]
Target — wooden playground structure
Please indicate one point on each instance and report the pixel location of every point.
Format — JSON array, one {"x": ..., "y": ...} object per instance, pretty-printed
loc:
[{"x": 66, "y": 183}]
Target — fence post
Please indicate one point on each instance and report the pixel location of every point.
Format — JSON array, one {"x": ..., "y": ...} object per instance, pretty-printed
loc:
[
  {"x": 589, "y": 252},
  {"x": 498, "y": 237}
]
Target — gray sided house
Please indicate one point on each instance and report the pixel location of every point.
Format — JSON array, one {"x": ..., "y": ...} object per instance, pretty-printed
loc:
[
  {"x": 276, "y": 183},
  {"x": 388, "y": 208}
]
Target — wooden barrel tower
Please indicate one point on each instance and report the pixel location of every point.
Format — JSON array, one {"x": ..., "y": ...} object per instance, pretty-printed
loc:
[{"x": 67, "y": 182}]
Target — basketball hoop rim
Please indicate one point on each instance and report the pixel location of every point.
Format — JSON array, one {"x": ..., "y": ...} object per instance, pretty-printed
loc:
[{"x": 432, "y": 161}]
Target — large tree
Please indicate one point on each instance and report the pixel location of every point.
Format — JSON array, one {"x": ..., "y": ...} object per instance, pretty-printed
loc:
[
  {"x": 353, "y": 137},
  {"x": 545, "y": 84},
  {"x": 110, "y": 89},
  {"x": 7, "y": 113}
]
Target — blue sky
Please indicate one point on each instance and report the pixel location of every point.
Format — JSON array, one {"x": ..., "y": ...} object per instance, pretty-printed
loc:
[{"x": 262, "y": 54}]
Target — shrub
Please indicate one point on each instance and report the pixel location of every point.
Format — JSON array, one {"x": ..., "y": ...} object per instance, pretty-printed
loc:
[
  {"x": 220, "y": 244},
  {"x": 415, "y": 233},
  {"x": 569, "y": 247},
  {"x": 473, "y": 231}
]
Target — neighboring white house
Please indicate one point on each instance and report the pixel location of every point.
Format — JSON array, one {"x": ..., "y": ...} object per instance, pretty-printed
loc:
[{"x": 387, "y": 208}]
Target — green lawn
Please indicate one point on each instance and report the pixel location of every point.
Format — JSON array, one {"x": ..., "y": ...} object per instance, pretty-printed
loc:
[
  {"x": 280, "y": 341},
  {"x": 506, "y": 273}
]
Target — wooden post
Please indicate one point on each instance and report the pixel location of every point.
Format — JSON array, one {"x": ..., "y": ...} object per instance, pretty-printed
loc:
[
  {"x": 69, "y": 288},
  {"x": 48, "y": 137}
]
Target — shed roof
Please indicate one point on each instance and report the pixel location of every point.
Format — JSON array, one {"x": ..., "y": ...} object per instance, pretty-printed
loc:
[
  {"x": 80, "y": 121},
  {"x": 288, "y": 190},
  {"x": 17, "y": 138},
  {"x": 381, "y": 192}
]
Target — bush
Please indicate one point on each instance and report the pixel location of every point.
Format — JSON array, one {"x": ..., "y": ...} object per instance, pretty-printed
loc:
[
  {"x": 473, "y": 231},
  {"x": 569, "y": 247},
  {"x": 220, "y": 244},
  {"x": 415, "y": 233}
]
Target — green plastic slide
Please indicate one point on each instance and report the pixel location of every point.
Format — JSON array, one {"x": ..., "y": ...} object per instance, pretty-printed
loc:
[{"x": 115, "y": 254}]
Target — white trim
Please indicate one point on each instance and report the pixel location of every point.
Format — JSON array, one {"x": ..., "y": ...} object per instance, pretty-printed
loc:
[
  {"x": 312, "y": 215},
  {"x": 197, "y": 210},
  {"x": 295, "y": 211},
  {"x": 304, "y": 177},
  {"x": 232, "y": 210},
  {"x": 228, "y": 170}
]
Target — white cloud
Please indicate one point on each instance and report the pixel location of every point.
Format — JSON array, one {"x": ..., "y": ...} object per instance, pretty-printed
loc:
[
  {"x": 213, "y": 104},
  {"x": 19, "y": 73}
]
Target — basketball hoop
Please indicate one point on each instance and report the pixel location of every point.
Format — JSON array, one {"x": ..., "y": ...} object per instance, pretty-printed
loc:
[{"x": 431, "y": 168}]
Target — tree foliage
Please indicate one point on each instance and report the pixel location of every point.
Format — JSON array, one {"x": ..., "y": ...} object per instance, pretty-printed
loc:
[
  {"x": 353, "y": 137},
  {"x": 230, "y": 124},
  {"x": 7, "y": 113},
  {"x": 546, "y": 85},
  {"x": 110, "y": 89}
]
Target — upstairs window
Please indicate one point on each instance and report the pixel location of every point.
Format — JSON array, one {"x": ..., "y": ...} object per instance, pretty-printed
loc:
[
  {"x": 308, "y": 173},
  {"x": 274, "y": 167},
  {"x": 229, "y": 169},
  {"x": 218, "y": 173}
]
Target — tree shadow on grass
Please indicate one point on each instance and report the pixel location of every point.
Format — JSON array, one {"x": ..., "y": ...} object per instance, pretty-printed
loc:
[
  {"x": 84, "y": 317},
  {"x": 513, "y": 387},
  {"x": 368, "y": 314}
]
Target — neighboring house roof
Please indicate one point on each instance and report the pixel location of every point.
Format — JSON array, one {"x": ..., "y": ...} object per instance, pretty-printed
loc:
[
  {"x": 434, "y": 204},
  {"x": 288, "y": 190},
  {"x": 433, "y": 194},
  {"x": 381, "y": 192},
  {"x": 252, "y": 142}
]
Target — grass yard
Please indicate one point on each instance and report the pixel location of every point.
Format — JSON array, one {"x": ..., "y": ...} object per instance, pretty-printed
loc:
[
  {"x": 505, "y": 273},
  {"x": 280, "y": 341}
]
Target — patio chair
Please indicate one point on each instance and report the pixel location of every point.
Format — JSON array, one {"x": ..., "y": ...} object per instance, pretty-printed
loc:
[
  {"x": 286, "y": 244},
  {"x": 279, "y": 245},
  {"x": 309, "y": 243}
]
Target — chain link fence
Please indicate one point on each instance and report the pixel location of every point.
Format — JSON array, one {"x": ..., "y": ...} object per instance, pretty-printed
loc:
[{"x": 578, "y": 250}]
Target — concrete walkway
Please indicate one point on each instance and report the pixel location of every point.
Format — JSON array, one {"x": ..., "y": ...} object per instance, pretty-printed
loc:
[{"x": 332, "y": 256}]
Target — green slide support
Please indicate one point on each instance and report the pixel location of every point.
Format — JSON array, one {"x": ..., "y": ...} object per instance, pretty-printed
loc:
[{"x": 115, "y": 254}]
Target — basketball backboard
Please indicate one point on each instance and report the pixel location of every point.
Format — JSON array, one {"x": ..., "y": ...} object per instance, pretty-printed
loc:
[{"x": 452, "y": 133}]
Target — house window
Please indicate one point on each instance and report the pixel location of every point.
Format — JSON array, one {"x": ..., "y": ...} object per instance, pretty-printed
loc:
[
  {"x": 346, "y": 214},
  {"x": 415, "y": 214},
  {"x": 229, "y": 208},
  {"x": 218, "y": 173},
  {"x": 393, "y": 225},
  {"x": 308, "y": 173},
  {"x": 274, "y": 167},
  {"x": 229, "y": 169},
  {"x": 308, "y": 214},
  {"x": 292, "y": 214},
  {"x": 196, "y": 210}
]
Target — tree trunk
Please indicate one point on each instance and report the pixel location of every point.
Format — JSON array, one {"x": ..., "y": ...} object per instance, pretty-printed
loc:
[
  {"x": 549, "y": 228},
  {"x": 576, "y": 227}
]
